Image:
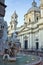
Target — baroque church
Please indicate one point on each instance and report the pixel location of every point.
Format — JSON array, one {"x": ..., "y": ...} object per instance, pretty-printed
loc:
[{"x": 30, "y": 34}]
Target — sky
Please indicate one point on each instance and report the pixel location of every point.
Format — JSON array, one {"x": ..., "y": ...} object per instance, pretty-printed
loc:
[{"x": 21, "y": 7}]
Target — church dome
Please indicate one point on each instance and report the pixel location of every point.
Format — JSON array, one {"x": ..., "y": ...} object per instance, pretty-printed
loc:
[{"x": 34, "y": 7}]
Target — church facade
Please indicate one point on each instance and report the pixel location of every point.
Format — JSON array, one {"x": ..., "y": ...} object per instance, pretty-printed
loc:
[{"x": 30, "y": 34}]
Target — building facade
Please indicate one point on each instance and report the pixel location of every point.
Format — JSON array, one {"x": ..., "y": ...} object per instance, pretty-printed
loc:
[{"x": 30, "y": 34}]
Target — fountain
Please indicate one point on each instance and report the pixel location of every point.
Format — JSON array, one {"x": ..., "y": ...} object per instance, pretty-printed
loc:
[
  {"x": 24, "y": 60},
  {"x": 10, "y": 54},
  {"x": 12, "y": 49},
  {"x": 13, "y": 54}
]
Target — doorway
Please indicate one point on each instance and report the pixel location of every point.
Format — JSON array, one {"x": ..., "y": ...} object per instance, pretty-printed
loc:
[
  {"x": 26, "y": 44},
  {"x": 37, "y": 45}
]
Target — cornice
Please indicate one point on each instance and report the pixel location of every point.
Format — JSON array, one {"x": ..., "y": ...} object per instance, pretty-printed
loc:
[
  {"x": 30, "y": 32},
  {"x": 3, "y": 4}
]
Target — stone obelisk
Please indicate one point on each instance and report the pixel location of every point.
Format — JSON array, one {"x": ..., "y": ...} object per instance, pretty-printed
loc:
[{"x": 3, "y": 25}]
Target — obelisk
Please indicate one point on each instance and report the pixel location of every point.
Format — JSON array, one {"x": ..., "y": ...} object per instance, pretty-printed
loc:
[{"x": 2, "y": 24}]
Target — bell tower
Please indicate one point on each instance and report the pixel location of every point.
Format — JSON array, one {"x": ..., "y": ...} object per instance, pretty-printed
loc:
[
  {"x": 41, "y": 7},
  {"x": 14, "y": 20}
]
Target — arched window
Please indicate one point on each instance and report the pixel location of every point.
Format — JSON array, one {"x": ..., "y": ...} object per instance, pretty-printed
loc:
[
  {"x": 1, "y": 26},
  {"x": 29, "y": 20},
  {"x": 11, "y": 26},
  {"x": 36, "y": 39},
  {"x": 37, "y": 18}
]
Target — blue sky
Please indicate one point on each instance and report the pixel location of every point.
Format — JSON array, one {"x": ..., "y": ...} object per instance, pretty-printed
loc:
[{"x": 21, "y": 7}]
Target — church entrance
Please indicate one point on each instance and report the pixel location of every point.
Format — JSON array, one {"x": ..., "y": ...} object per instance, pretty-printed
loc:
[
  {"x": 37, "y": 45},
  {"x": 26, "y": 44}
]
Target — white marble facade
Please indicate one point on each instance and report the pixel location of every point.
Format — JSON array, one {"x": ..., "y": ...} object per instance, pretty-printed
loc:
[{"x": 30, "y": 34}]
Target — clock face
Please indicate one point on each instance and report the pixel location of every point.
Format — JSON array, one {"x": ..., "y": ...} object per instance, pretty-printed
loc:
[{"x": 1, "y": 34}]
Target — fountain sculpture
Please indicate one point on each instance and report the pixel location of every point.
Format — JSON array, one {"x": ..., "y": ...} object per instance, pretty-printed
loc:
[
  {"x": 11, "y": 54},
  {"x": 12, "y": 49}
]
